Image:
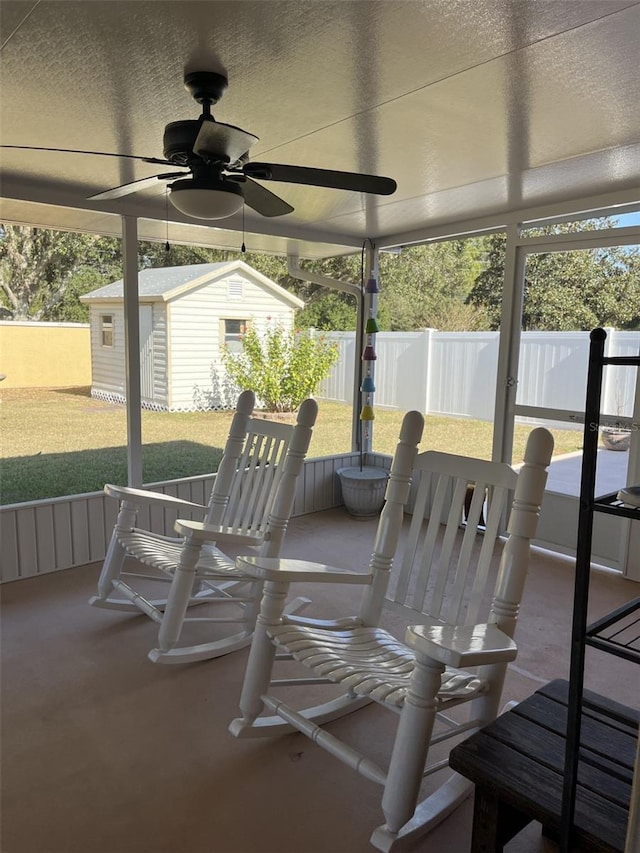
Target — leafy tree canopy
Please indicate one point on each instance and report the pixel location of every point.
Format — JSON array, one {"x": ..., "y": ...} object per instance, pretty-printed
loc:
[
  {"x": 426, "y": 286},
  {"x": 453, "y": 285},
  {"x": 564, "y": 291},
  {"x": 43, "y": 272}
]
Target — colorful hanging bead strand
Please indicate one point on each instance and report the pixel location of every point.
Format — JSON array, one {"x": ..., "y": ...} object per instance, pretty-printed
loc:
[{"x": 368, "y": 357}]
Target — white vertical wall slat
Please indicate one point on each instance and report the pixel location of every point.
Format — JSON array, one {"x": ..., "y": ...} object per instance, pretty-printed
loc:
[
  {"x": 79, "y": 532},
  {"x": 10, "y": 557},
  {"x": 45, "y": 538},
  {"x": 62, "y": 531},
  {"x": 26, "y": 533}
]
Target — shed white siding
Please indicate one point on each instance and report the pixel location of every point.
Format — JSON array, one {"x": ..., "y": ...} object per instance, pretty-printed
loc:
[
  {"x": 107, "y": 363},
  {"x": 195, "y": 321},
  {"x": 160, "y": 356},
  {"x": 182, "y": 314}
]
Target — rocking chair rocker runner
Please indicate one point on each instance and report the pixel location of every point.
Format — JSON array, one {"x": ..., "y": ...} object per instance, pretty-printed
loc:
[
  {"x": 250, "y": 505},
  {"x": 441, "y": 587}
]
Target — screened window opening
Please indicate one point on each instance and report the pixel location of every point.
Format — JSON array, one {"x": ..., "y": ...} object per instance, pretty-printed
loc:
[
  {"x": 106, "y": 329},
  {"x": 233, "y": 332}
]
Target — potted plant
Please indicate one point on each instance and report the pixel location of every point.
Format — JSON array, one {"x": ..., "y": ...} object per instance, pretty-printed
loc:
[{"x": 616, "y": 436}]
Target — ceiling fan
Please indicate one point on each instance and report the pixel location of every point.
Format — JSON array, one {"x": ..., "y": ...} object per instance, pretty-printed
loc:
[{"x": 217, "y": 177}]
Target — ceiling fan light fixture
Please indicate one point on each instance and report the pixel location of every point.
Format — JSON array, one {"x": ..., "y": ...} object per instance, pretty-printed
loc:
[{"x": 202, "y": 200}]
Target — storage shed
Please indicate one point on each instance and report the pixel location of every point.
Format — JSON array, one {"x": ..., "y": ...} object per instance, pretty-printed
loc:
[{"x": 186, "y": 315}]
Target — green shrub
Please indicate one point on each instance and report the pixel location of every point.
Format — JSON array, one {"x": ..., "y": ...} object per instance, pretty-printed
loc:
[{"x": 282, "y": 367}]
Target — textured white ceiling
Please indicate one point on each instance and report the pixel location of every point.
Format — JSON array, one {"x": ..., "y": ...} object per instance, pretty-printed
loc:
[{"x": 475, "y": 107}]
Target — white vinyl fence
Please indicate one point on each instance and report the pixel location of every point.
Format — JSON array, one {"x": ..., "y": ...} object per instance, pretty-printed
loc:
[{"x": 454, "y": 373}]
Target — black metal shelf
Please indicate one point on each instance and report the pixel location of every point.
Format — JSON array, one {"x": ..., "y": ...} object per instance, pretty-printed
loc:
[
  {"x": 618, "y": 632},
  {"x": 611, "y": 505}
]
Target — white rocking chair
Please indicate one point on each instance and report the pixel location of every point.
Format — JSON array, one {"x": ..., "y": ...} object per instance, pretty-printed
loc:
[
  {"x": 443, "y": 588},
  {"x": 250, "y": 505}
]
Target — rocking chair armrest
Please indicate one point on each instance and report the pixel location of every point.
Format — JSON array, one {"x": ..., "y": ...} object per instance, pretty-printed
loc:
[
  {"x": 126, "y": 493},
  {"x": 290, "y": 571},
  {"x": 202, "y": 532},
  {"x": 461, "y": 646}
]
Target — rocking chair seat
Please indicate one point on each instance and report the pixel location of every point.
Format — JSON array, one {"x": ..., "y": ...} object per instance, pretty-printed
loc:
[
  {"x": 369, "y": 662},
  {"x": 163, "y": 553}
]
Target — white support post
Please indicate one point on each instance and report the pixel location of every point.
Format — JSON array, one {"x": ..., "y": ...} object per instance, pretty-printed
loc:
[
  {"x": 132, "y": 349},
  {"x": 609, "y": 377},
  {"x": 428, "y": 350},
  {"x": 296, "y": 271},
  {"x": 631, "y": 557},
  {"x": 509, "y": 348}
]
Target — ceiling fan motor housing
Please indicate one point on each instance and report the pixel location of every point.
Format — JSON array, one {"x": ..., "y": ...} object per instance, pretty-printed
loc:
[{"x": 179, "y": 139}]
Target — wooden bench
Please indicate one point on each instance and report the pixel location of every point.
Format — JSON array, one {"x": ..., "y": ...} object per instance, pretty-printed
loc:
[{"x": 517, "y": 762}]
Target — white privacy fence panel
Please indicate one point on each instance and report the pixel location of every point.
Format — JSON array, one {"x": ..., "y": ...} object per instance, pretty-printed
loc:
[
  {"x": 553, "y": 370},
  {"x": 338, "y": 385},
  {"x": 463, "y": 374},
  {"x": 401, "y": 373},
  {"x": 618, "y": 390},
  {"x": 454, "y": 373}
]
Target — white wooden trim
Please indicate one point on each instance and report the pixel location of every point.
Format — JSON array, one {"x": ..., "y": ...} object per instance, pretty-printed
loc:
[{"x": 45, "y": 536}]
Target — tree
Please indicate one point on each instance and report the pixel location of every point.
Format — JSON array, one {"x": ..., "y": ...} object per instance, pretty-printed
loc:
[
  {"x": 573, "y": 290},
  {"x": 41, "y": 270},
  {"x": 426, "y": 286}
]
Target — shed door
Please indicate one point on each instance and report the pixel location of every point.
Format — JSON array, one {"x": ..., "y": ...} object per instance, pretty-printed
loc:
[{"x": 146, "y": 352}]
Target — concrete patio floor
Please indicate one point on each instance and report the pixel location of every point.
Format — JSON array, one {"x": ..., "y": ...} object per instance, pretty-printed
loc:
[
  {"x": 105, "y": 752},
  {"x": 611, "y": 472}
]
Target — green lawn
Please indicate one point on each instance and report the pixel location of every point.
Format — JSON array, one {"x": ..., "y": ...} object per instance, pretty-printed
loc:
[{"x": 61, "y": 442}]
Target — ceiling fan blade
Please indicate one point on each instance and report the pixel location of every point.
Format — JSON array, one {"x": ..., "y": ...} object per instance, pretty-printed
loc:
[
  {"x": 321, "y": 178},
  {"x": 263, "y": 200},
  {"x": 134, "y": 186},
  {"x": 94, "y": 153},
  {"x": 218, "y": 141}
]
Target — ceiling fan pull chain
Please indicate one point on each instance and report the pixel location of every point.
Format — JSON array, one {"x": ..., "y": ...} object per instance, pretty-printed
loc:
[{"x": 167, "y": 247}]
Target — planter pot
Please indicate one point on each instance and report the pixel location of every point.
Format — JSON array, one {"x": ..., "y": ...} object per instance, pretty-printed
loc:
[
  {"x": 615, "y": 439},
  {"x": 363, "y": 490}
]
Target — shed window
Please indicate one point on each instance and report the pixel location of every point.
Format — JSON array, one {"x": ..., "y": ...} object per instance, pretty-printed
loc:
[
  {"x": 106, "y": 329},
  {"x": 235, "y": 288},
  {"x": 233, "y": 332}
]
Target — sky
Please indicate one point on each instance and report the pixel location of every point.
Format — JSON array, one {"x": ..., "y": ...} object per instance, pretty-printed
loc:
[{"x": 628, "y": 219}]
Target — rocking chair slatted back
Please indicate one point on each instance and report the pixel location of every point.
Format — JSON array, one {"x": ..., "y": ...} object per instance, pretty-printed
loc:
[
  {"x": 250, "y": 496},
  {"x": 459, "y": 506}
]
